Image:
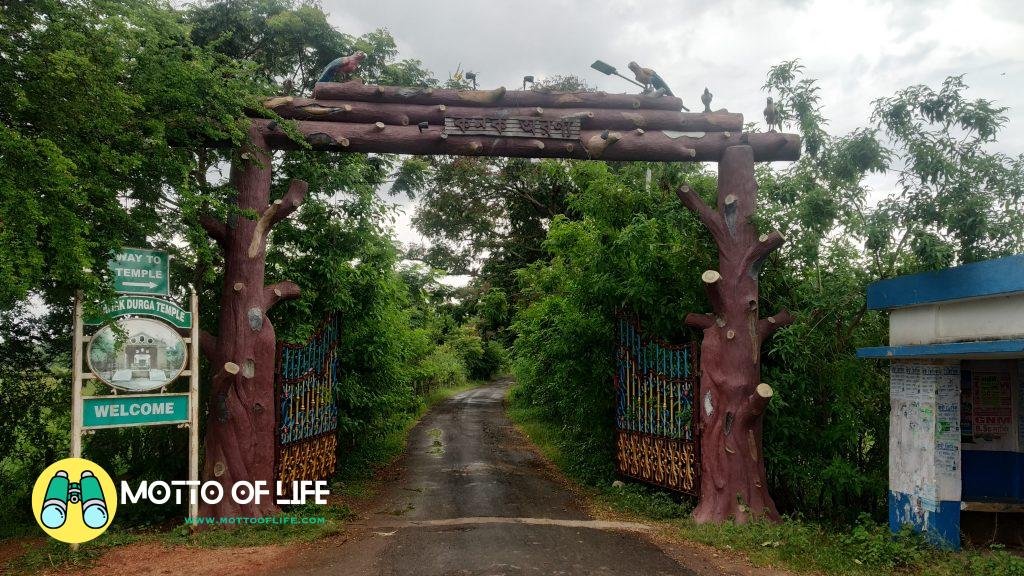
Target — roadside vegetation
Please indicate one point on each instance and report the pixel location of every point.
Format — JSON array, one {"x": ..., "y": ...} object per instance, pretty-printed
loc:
[{"x": 863, "y": 548}]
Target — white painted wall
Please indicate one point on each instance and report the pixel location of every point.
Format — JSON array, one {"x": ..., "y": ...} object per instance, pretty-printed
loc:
[{"x": 1000, "y": 317}]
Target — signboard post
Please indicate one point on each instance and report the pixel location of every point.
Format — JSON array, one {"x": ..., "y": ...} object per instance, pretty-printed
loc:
[
  {"x": 140, "y": 271},
  {"x": 139, "y": 274}
]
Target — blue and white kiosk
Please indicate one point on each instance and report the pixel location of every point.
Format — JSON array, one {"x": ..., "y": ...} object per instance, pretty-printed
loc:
[{"x": 956, "y": 428}]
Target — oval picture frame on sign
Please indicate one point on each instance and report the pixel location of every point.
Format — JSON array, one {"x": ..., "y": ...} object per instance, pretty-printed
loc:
[{"x": 148, "y": 356}]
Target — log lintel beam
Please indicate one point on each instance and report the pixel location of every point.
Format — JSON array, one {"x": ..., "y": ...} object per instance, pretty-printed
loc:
[
  {"x": 356, "y": 90},
  {"x": 402, "y": 114},
  {"x": 651, "y": 146}
]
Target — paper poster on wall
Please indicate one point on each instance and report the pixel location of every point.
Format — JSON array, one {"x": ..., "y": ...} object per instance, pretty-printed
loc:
[
  {"x": 912, "y": 431},
  {"x": 924, "y": 432},
  {"x": 947, "y": 432},
  {"x": 992, "y": 403},
  {"x": 1020, "y": 406}
]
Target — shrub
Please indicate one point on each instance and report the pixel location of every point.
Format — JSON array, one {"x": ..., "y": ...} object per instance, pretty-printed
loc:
[
  {"x": 442, "y": 368},
  {"x": 873, "y": 545}
]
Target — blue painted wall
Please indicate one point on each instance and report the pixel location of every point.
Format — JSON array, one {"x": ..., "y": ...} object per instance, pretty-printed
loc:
[
  {"x": 940, "y": 527},
  {"x": 976, "y": 350},
  {"x": 991, "y": 476},
  {"x": 987, "y": 278}
]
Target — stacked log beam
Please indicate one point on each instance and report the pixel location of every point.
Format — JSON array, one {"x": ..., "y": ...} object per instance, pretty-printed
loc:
[
  {"x": 651, "y": 146},
  {"x": 593, "y": 119},
  {"x": 488, "y": 98},
  {"x": 356, "y": 117}
]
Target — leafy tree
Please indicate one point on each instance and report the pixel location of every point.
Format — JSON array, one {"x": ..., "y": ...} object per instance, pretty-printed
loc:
[
  {"x": 109, "y": 115},
  {"x": 91, "y": 138},
  {"x": 487, "y": 217},
  {"x": 957, "y": 201}
]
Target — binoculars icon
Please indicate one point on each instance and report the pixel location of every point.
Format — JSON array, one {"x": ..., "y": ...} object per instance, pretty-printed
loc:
[{"x": 86, "y": 491}]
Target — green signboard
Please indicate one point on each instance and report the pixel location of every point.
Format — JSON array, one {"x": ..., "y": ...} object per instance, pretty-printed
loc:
[
  {"x": 140, "y": 271},
  {"x": 144, "y": 306},
  {"x": 134, "y": 410}
]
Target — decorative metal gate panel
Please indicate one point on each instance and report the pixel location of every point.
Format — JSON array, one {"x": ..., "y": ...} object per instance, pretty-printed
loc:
[
  {"x": 656, "y": 424},
  {"x": 307, "y": 413}
]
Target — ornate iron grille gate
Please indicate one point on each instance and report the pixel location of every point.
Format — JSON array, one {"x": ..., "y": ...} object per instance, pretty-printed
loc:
[
  {"x": 656, "y": 424},
  {"x": 307, "y": 414}
]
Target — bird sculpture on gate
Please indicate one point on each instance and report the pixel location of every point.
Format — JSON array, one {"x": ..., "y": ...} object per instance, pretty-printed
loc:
[
  {"x": 653, "y": 83},
  {"x": 341, "y": 66},
  {"x": 771, "y": 116},
  {"x": 705, "y": 99}
]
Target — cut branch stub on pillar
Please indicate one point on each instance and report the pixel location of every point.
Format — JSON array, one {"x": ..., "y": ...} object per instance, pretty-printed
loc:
[{"x": 733, "y": 482}]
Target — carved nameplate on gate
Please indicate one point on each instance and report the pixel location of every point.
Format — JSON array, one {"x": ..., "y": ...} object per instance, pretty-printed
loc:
[{"x": 514, "y": 127}]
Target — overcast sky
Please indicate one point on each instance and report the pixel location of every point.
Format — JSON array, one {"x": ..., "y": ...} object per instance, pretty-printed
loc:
[{"x": 859, "y": 50}]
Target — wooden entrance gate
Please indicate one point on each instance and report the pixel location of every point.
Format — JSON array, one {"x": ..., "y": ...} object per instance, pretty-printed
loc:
[{"x": 656, "y": 424}]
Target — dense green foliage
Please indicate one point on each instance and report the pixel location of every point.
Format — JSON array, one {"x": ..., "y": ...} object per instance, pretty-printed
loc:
[
  {"x": 117, "y": 119},
  {"x": 627, "y": 243}
]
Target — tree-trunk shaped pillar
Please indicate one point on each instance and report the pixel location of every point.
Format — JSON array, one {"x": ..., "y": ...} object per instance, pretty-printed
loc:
[
  {"x": 240, "y": 425},
  {"x": 732, "y": 401}
]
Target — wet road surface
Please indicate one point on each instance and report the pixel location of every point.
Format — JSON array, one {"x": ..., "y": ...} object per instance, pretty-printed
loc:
[{"x": 474, "y": 499}]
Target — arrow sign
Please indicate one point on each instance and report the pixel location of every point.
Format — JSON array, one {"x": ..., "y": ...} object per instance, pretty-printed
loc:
[{"x": 140, "y": 271}]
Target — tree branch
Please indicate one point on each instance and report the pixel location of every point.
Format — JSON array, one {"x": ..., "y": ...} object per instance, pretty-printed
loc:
[
  {"x": 708, "y": 216},
  {"x": 702, "y": 321},
  {"x": 712, "y": 283},
  {"x": 766, "y": 244},
  {"x": 214, "y": 228},
  {"x": 275, "y": 212},
  {"x": 767, "y": 326},
  {"x": 274, "y": 293},
  {"x": 759, "y": 400},
  {"x": 207, "y": 344},
  {"x": 290, "y": 202}
]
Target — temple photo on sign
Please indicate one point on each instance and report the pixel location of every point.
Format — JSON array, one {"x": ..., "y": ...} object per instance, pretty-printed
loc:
[{"x": 147, "y": 355}]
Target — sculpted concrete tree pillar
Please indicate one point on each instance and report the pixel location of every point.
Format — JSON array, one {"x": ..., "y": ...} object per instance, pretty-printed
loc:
[
  {"x": 240, "y": 426},
  {"x": 732, "y": 399}
]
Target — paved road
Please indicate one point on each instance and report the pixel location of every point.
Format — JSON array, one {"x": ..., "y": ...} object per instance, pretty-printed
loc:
[{"x": 474, "y": 500}]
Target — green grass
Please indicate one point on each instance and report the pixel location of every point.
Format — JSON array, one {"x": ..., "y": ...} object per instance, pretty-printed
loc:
[
  {"x": 867, "y": 549},
  {"x": 543, "y": 435},
  {"x": 54, "y": 554}
]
